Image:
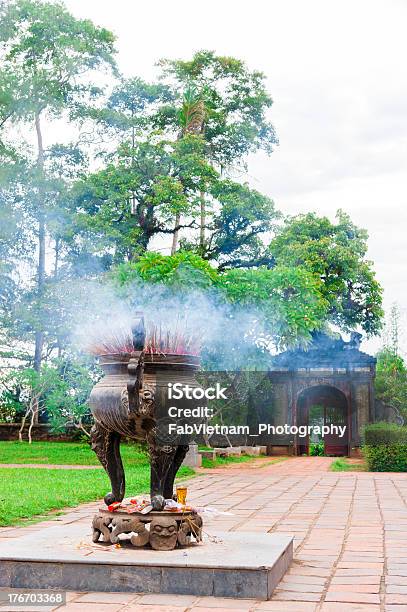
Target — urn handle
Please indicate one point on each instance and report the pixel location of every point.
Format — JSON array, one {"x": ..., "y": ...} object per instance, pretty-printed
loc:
[{"x": 136, "y": 365}]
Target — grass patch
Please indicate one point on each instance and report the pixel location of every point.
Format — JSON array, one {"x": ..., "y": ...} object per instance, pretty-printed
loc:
[
  {"x": 221, "y": 461},
  {"x": 64, "y": 453},
  {"x": 344, "y": 465},
  {"x": 27, "y": 494}
]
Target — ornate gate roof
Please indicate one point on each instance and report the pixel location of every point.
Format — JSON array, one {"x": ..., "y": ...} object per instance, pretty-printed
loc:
[{"x": 325, "y": 352}]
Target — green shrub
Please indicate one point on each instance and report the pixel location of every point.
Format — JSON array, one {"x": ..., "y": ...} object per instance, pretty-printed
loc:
[
  {"x": 385, "y": 447},
  {"x": 317, "y": 449},
  {"x": 377, "y": 434},
  {"x": 386, "y": 457}
]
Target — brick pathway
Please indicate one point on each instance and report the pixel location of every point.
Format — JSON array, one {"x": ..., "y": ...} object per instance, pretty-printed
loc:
[{"x": 350, "y": 536}]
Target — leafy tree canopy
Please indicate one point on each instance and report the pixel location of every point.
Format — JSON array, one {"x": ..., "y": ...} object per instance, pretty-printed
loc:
[
  {"x": 336, "y": 254},
  {"x": 162, "y": 165},
  {"x": 48, "y": 60},
  {"x": 391, "y": 380},
  {"x": 235, "y": 101},
  {"x": 231, "y": 100},
  {"x": 197, "y": 124},
  {"x": 171, "y": 270},
  {"x": 45, "y": 53},
  {"x": 138, "y": 195},
  {"x": 284, "y": 304}
]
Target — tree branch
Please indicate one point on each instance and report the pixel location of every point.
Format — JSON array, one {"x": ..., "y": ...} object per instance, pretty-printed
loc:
[
  {"x": 162, "y": 230},
  {"x": 242, "y": 263}
]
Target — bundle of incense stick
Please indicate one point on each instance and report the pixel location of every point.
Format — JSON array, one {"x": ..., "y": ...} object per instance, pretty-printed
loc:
[
  {"x": 115, "y": 342},
  {"x": 176, "y": 342},
  {"x": 159, "y": 341}
]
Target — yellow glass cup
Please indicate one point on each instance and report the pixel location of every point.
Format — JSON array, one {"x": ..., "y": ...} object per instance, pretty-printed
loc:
[{"x": 181, "y": 494}]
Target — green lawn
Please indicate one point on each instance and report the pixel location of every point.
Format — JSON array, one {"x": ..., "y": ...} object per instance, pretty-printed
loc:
[
  {"x": 221, "y": 461},
  {"x": 73, "y": 453},
  {"x": 28, "y": 492}
]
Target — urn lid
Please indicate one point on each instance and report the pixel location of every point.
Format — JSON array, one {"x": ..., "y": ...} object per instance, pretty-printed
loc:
[{"x": 152, "y": 362}]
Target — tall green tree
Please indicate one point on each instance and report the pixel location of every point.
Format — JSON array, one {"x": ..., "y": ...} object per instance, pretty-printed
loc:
[
  {"x": 234, "y": 112},
  {"x": 391, "y": 369},
  {"x": 236, "y": 105},
  {"x": 139, "y": 194},
  {"x": 336, "y": 254},
  {"x": 220, "y": 106},
  {"x": 155, "y": 188},
  {"x": 47, "y": 58}
]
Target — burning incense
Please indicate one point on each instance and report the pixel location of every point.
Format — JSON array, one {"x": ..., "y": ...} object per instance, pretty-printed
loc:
[{"x": 159, "y": 341}]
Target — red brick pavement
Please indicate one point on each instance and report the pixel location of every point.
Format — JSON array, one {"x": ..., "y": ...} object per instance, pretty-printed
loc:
[{"x": 350, "y": 532}]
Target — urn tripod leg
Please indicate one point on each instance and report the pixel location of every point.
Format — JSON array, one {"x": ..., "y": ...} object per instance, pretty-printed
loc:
[
  {"x": 106, "y": 445},
  {"x": 161, "y": 461},
  {"x": 177, "y": 460},
  {"x": 165, "y": 462}
]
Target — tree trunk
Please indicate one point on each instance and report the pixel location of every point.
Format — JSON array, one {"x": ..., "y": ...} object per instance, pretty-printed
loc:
[
  {"x": 56, "y": 258},
  {"x": 23, "y": 420},
  {"x": 56, "y": 272},
  {"x": 39, "y": 334},
  {"x": 34, "y": 418},
  {"x": 202, "y": 223},
  {"x": 175, "y": 235}
]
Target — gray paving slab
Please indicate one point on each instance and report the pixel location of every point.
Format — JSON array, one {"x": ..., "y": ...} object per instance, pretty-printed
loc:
[{"x": 229, "y": 564}]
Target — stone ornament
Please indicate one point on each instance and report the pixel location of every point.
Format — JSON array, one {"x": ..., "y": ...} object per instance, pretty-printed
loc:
[
  {"x": 129, "y": 524},
  {"x": 191, "y": 526},
  {"x": 163, "y": 533},
  {"x": 141, "y": 535},
  {"x": 123, "y": 524},
  {"x": 160, "y": 530},
  {"x": 100, "y": 525}
]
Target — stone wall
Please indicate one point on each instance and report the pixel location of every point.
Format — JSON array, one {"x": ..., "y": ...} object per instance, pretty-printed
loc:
[{"x": 42, "y": 431}]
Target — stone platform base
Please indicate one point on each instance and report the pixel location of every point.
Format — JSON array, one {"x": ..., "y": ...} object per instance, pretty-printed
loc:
[{"x": 230, "y": 564}]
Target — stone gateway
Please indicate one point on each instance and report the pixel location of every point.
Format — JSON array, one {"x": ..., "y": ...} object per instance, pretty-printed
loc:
[{"x": 331, "y": 383}]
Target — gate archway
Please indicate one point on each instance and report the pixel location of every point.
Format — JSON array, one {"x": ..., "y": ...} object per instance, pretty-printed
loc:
[{"x": 325, "y": 405}]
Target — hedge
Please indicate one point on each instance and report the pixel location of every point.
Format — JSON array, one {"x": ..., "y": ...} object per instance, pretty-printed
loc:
[
  {"x": 384, "y": 433},
  {"x": 386, "y": 457},
  {"x": 385, "y": 447}
]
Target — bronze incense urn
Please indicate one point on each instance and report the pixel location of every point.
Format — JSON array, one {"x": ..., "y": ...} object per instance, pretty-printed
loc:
[{"x": 124, "y": 404}]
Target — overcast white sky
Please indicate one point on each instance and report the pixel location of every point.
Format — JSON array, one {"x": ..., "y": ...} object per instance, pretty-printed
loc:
[{"x": 336, "y": 71}]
